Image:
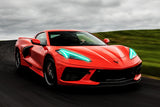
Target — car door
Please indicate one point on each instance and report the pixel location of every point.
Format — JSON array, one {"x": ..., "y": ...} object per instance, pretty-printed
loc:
[{"x": 38, "y": 51}]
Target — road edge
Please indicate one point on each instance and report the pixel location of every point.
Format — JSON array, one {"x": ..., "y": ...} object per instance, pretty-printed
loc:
[{"x": 151, "y": 77}]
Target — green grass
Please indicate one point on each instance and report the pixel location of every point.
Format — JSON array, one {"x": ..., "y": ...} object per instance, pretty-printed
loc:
[{"x": 146, "y": 43}]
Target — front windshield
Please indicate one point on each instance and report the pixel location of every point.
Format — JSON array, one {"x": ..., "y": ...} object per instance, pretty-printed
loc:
[{"x": 74, "y": 38}]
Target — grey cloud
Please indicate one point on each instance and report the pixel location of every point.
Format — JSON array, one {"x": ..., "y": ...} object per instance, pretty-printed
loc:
[{"x": 27, "y": 17}]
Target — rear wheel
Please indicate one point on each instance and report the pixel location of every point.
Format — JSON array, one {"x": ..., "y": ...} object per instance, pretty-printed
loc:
[
  {"x": 50, "y": 73},
  {"x": 18, "y": 59}
]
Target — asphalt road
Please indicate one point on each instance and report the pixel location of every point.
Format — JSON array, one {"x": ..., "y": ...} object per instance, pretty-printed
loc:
[{"x": 26, "y": 89}]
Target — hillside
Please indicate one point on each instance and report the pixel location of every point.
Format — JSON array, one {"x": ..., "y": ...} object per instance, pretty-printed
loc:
[{"x": 146, "y": 43}]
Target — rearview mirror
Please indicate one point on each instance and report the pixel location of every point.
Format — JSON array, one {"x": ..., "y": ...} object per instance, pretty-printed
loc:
[
  {"x": 106, "y": 40},
  {"x": 36, "y": 41}
]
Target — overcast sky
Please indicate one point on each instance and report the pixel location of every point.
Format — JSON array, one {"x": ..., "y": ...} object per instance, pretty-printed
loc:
[{"x": 28, "y": 17}]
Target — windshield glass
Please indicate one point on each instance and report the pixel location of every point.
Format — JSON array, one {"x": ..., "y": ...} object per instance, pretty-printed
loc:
[{"x": 74, "y": 38}]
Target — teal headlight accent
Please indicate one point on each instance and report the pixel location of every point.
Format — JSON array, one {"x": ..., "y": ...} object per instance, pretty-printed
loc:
[
  {"x": 132, "y": 53},
  {"x": 72, "y": 55}
]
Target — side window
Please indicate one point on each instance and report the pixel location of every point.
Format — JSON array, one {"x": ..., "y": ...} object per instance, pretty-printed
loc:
[{"x": 42, "y": 38}]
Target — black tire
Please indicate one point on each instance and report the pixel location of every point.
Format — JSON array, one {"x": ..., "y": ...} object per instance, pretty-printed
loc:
[
  {"x": 18, "y": 60},
  {"x": 137, "y": 86},
  {"x": 50, "y": 76}
]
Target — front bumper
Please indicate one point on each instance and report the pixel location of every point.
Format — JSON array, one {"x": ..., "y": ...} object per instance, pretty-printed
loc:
[
  {"x": 120, "y": 83},
  {"x": 102, "y": 84},
  {"x": 89, "y": 77}
]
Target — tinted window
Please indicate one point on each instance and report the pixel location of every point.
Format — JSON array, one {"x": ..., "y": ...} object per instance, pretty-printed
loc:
[
  {"x": 42, "y": 38},
  {"x": 73, "y": 38}
]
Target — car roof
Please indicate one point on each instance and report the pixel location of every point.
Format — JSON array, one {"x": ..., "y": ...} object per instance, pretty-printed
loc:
[{"x": 55, "y": 30}]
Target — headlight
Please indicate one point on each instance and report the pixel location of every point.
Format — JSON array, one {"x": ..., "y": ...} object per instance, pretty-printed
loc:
[
  {"x": 72, "y": 55},
  {"x": 132, "y": 53}
]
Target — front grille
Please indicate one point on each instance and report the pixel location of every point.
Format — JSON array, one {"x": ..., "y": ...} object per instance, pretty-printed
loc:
[
  {"x": 74, "y": 74},
  {"x": 115, "y": 75}
]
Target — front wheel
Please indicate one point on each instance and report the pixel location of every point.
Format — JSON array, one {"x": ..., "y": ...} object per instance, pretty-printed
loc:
[{"x": 50, "y": 76}]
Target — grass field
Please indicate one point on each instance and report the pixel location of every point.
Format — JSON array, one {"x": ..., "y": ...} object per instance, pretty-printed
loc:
[{"x": 146, "y": 43}]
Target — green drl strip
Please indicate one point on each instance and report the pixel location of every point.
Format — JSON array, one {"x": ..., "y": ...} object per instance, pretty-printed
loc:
[
  {"x": 68, "y": 54},
  {"x": 132, "y": 53}
]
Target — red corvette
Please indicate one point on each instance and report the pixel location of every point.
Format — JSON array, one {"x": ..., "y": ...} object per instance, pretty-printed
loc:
[{"x": 74, "y": 57}]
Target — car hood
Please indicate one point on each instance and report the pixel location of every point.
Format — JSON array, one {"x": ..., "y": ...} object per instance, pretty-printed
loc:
[{"x": 113, "y": 56}]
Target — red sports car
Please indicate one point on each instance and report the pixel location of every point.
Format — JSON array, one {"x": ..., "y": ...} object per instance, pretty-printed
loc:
[{"x": 74, "y": 57}]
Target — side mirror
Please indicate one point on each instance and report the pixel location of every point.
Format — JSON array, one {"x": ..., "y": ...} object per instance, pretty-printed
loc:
[
  {"x": 106, "y": 40},
  {"x": 36, "y": 41}
]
